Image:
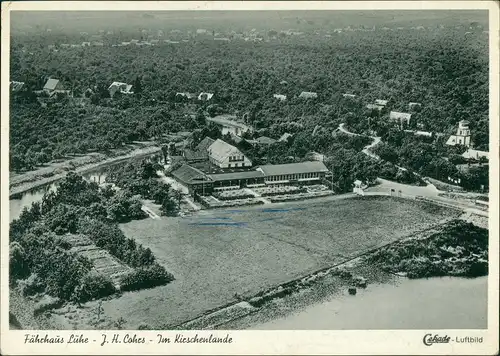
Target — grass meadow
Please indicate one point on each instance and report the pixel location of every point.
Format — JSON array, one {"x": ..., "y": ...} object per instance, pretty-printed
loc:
[{"x": 217, "y": 253}]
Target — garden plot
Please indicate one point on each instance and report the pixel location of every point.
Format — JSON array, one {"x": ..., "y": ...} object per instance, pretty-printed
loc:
[{"x": 104, "y": 263}]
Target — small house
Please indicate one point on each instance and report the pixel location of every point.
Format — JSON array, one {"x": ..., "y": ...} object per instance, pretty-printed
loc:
[
  {"x": 16, "y": 86},
  {"x": 400, "y": 118},
  {"x": 308, "y": 95},
  {"x": 475, "y": 154},
  {"x": 381, "y": 102},
  {"x": 52, "y": 85},
  {"x": 123, "y": 88},
  {"x": 279, "y": 97},
  {"x": 205, "y": 96}
]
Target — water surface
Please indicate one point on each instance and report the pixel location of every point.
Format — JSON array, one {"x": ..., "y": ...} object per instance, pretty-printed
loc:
[{"x": 434, "y": 303}]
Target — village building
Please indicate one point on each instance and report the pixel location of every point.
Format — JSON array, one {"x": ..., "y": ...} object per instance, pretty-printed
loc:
[
  {"x": 186, "y": 95},
  {"x": 413, "y": 106},
  {"x": 303, "y": 172},
  {"x": 98, "y": 44},
  {"x": 308, "y": 95},
  {"x": 205, "y": 96},
  {"x": 283, "y": 174},
  {"x": 229, "y": 125},
  {"x": 374, "y": 107},
  {"x": 280, "y": 97},
  {"x": 16, "y": 86},
  {"x": 462, "y": 137},
  {"x": 475, "y": 154},
  {"x": 351, "y": 96},
  {"x": 200, "y": 153},
  {"x": 123, "y": 88},
  {"x": 194, "y": 179},
  {"x": 224, "y": 155},
  {"x": 53, "y": 86},
  {"x": 381, "y": 102},
  {"x": 85, "y": 44},
  {"x": 401, "y": 118},
  {"x": 285, "y": 137}
]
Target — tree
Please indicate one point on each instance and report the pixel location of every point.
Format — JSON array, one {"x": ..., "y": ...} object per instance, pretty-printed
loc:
[
  {"x": 169, "y": 207},
  {"x": 18, "y": 265}
]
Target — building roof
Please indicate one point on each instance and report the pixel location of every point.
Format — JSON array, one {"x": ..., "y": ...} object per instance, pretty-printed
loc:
[
  {"x": 219, "y": 150},
  {"x": 205, "y": 144},
  {"x": 293, "y": 168},
  {"x": 346, "y": 95},
  {"x": 236, "y": 175},
  {"x": 192, "y": 155},
  {"x": 374, "y": 106},
  {"x": 51, "y": 84},
  {"x": 279, "y": 96},
  {"x": 381, "y": 102},
  {"x": 264, "y": 140},
  {"x": 16, "y": 86},
  {"x": 189, "y": 175},
  {"x": 228, "y": 121},
  {"x": 205, "y": 96},
  {"x": 413, "y": 104},
  {"x": 475, "y": 154},
  {"x": 396, "y": 115},
  {"x": 186, "y": 95},
  {"x": 285, "y": 137},
  {"x": 124, "y": 87},
  {"x": 308, "y": 95}
]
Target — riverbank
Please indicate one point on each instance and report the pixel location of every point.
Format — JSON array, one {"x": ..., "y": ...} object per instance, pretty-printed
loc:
[{"x": 21, "y": 183}]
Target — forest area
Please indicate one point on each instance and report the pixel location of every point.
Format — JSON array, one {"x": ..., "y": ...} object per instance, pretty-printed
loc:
[{"x": 445, "y": 68}]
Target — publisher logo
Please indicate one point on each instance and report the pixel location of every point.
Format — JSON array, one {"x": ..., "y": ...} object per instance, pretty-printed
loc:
[{"x": 430, "y": 339}]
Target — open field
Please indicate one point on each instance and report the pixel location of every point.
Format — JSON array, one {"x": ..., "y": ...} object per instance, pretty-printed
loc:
[{"x": 215, "y": 254}]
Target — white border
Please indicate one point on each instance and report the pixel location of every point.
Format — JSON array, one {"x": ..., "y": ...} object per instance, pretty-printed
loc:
[{"x": 264, "y": 342}]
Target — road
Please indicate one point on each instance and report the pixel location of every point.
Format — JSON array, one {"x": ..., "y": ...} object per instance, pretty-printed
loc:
[{"x": 366, "y": 149}]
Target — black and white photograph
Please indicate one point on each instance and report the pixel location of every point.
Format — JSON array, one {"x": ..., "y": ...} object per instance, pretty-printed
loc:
[{"x": 262, "y": 170}]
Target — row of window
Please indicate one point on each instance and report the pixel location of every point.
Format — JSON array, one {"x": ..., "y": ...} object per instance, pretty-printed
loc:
[
  {"x": 236, "y": 158},
  {"x": 292, "y": 176}
]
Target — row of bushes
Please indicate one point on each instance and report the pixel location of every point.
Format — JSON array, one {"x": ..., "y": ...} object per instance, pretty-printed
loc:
[
  {"x": 145, "y": 277},
  {"x": 460, "y": 249}
]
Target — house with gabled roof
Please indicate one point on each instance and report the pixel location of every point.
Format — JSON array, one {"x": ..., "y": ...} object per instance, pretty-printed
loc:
[
  {"x": 123, "y": 88},
  {"x": 400, "y": 117},
  {"x": 224, "y": 155},
  {"x": 279, "y": 97},
  {"x": 308, "y": 95},
  {"x": 285, "y": 137},
  {"x": 381, "y": 102},
  {"x": 16, "y": 86},
  {"x": 205, "y": 96},
  {"x": 52, "y": 85}
]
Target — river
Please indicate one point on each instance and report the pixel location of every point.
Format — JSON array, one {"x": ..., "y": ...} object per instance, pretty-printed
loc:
[
  {"x": 434, "y": 303},
  {"x": 29, "y": 197}
]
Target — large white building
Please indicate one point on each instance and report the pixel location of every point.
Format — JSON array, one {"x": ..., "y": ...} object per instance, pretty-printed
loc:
[
  {"x": 462, "y": 136},
  {"x": 224, "y": 155}
]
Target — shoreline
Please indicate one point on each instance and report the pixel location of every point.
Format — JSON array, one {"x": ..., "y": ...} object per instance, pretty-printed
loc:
[{"x": 30, "y": 184}]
